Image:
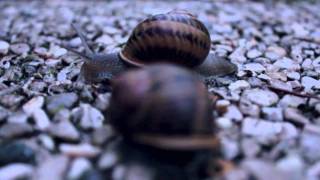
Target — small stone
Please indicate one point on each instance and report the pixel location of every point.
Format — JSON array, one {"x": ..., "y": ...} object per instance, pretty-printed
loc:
[
  {"x": 299, "y": 30},
  {"x": 64, "y": 130},
  {"x": 233, "y": 113},
  {"x": 280, "y": 84},
  {"x": 316, "y": 62},
  {"x": 295, "y": 116},
  {"x": 272, "y": 113},
  {"x": 47, "y": 142},
  {"x": 90, "y": 117},
  {"x": 263, "y": 170},
  {"x": 256, "y": 127},
  {"x": 62, "y": 115},
  {"x": 223, "y": 122},
  {"x": 239, "y": 85},
  {"x": 293, "y": 75},
  {"x": 18, "y": 117},
  {"x": 230, "y": 148},
  {"x": 4, "y": 47},
  {"x": 222, "y": 105},
  {"x": 310, "y": 147},
  {"x": 261, "y": 97},
  {"x": 108, "y": 160},
  {"x": 41, "y": 119},
  {"x": 275, "y": 52},
  {"x": 60, "y": 101},
  {"x": 16, "y": 171},
  {"x": 286, "y": 63},
  {"x": 14, "y": 152},
  {"x": 307, "y": 64},
  {"x": 313, "y": 172},
  {"x": 289, "y": 131},
  {"x": 75, "y": 42},
  {"x": 57, "y": 51},
  {"x": 254, "y": 53},
  {"x": 102, "y": 101},
  {"x": 250, "y": 148},
  {"x": 292, "y": 165},
  {"x": 20, "y": 48},
  {"x": 78, "y": 167},
  {"x": 246, "y": 107},
  {"x": 13, "y": 130},
  {"x": 291, "y": 101},
  {"x": 309, "y": 83},
  {"x": 80, "y": 150},
  {"x": 33, "y": 104},
  {"x": 255, "y": 67},
  {"x": 105, "y": 40},
  {"x": 52, "y": 168}
]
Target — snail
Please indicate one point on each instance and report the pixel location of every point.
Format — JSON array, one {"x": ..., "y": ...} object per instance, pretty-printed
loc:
[
  {"x": 176, "y": 37},
  {"x": 163, "y": 106}
]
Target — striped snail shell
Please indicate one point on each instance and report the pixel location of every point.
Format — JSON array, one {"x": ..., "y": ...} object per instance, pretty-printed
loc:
[
  {"x": 164, "y": 106},
  {"x": 176, "y": 37}
]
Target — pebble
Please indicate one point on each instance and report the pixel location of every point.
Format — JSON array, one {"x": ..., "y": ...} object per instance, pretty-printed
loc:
[
  {"x": 307, "y": 64},
  {"x": 309, "y": 83},
  {"x": 293, "y": 75},
  {"x": 33, "y": 104},
  {"x": 16, "y": 171},
  {"x": 20, "y": 48},
  {"x": 239, "y": 85},
  {"x": 313, "y": 172},
  {"x": 105, "y": 40},
  {"x": 254, "y": 53},
  {"x": 108, "y": 160},
  {"x": 60, "y": 101},
  {"x": 57, "y": 51},
  {"x": 18, "y": 117},
  {"x": 275, "y": 52},
  {"x": 79, "y": 150},
  {"x": 78, "y": 167},
  {"x": 64, "y": 130},
  {"x": 250, "y": 148},
  {"x": 47, "y": 142},
  {"x": 233, "y": 113},
  {"x": 261, "y": 97},
  {"x": 255, "y": 67},
  {"x": 41, "y": 119},
  {"x": 272, "y": 113},
  {"x": 263, "y": 170},
  {"x": 230, "y": 148},
  {"x": 52, "y": 168},
  {"x": 310, "y": 148},
  {"x": 15, "y": 152},
  {"x": 75, "y": 42},
  {"x": 257, "y": 127},
  {"x": 14, "y": 130},
  {"x": 291, "y": 101},
  {"x": 90, "y": 117},
  {"x": 293, "y": 166},
  {"x": 293, "y": 115},
  {"x": 4, "y": 47},
  {"x": 286, "y": 63}
]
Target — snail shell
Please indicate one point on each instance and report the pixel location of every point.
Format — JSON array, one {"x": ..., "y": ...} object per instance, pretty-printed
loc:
[
  {"x": 175, "y": 37},
  {"x": 163, "y": 106}
]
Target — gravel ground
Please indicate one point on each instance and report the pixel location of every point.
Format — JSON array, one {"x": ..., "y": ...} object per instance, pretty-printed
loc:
[{"x": 53, "y": 128}]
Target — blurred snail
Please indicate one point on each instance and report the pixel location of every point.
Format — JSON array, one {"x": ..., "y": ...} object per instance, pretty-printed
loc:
[
  {"x": 162, "y": 106},
  {"x": 176, "y": 37}
]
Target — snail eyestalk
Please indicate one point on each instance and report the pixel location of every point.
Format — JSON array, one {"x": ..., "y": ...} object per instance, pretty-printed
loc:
[{"x": 83, "y": 39}]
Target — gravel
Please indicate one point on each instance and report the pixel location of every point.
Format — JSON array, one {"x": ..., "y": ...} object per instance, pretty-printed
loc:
[{"x": 265, "y": 133}]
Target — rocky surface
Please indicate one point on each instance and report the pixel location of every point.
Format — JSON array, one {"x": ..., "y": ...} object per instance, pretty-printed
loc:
[{"x": 56, "y": 129}]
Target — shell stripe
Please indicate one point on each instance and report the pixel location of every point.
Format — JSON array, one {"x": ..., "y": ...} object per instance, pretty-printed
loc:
[{"x": 185, "y": 19}]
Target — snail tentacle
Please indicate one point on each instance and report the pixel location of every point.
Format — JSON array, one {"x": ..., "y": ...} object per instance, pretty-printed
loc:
[{"x": 82, "y": 37}]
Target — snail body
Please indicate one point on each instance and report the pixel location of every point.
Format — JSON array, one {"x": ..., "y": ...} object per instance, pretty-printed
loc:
[
  {"x": 175, "y": 37},
  {"x": 167, "y": 107}
]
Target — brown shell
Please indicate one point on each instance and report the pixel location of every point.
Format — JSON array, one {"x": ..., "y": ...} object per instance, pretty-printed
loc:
[
  {"x": 175, "y": 37},
  {"x": 163, "y": 106}
]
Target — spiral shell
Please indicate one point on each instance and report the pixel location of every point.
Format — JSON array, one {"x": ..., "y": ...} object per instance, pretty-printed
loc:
[
  {"x": 162, "y": 105},
  {"x": 175, "y": 37}
]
